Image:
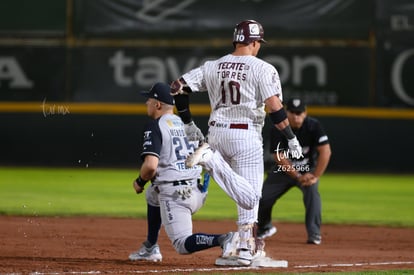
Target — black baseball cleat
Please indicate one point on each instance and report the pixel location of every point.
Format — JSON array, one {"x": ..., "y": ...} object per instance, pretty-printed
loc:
[{"x": 315, "y": 239}]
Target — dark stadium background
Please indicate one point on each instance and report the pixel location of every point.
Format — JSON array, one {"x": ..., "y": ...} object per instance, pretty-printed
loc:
[{"x": 70, "y": 72}]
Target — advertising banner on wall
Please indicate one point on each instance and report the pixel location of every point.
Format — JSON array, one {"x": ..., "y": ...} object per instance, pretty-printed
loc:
[
  {"x": 201, "y": 19},
  {"x": 395, "y": 18},
  {"x": 323, "y": 76},
  {"x": 395, "y": 58},
  {"x": 32, "y": 73},
  {"x": 326, "y": 74},
  {"x": 395, "y": 75}
]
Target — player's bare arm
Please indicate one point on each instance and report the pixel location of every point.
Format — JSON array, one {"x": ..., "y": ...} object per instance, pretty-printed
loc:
[
  {"x": 324, "y": 155},
  {"x": 274, "y": 105},
  {"x": 148, "y": 170},
  {"x": 306, "y": 179}
]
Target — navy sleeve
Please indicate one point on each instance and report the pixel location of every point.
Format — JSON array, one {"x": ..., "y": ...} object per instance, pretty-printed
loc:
[{"x": 152, "y": 139}]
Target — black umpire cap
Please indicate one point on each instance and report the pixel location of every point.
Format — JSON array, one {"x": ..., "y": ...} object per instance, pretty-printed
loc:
[
  {"x": 160, "y": 91},
  {"x": 295, "y": 105}
]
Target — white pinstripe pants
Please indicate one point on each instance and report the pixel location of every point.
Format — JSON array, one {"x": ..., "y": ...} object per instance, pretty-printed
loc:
[{"x": 237, "y": 167}]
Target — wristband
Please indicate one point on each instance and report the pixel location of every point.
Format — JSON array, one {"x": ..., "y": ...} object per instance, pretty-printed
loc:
[
  {"x": 185, "y": 116},
  {"x": 278, "y": 116},
  {"x": 141, "y": 182},
  {"x": 182, "y": 103}
]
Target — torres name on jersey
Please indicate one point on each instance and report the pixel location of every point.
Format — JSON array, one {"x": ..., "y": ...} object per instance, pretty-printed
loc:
[{"x": 233, "y": 70}]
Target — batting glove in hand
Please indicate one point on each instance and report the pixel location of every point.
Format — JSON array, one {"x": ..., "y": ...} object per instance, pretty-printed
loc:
[
  {"x": 295, "y": 148},
  {"x": 177, "y": 88},
  {"x": 193, "y": 132}
]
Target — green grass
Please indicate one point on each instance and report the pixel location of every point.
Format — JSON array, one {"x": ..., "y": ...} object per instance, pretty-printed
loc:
[
  {"x": 66, "y": 192},
  {"x": 346, "y": 198},
  {"x": 357, "y": 198},
  {"x": 386, "y": 272}
]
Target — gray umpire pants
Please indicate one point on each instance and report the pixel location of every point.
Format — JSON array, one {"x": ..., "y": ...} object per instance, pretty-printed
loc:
[{"x": 278, "y": 184}]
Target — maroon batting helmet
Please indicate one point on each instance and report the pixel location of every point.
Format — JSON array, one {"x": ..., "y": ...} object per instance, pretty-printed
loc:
[{"x": 248, "y": 31}]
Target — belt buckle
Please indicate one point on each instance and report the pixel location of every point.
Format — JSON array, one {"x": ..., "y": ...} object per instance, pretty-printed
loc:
[{"x": 180, "y": 182}]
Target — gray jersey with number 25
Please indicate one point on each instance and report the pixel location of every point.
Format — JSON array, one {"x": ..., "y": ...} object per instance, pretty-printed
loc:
[{"x": 165, "y": 138}]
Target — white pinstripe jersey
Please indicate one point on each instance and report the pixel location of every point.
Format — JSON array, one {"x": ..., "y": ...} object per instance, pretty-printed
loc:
[{"x": 237, "y": 87}]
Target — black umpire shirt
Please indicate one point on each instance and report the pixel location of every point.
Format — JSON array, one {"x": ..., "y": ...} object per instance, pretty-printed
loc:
[{"x": 310, "y": 135}]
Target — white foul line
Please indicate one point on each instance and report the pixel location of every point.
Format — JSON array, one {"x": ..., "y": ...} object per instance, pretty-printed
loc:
[
  {"x": 153, "y": 271},
  {"x": 224, "y": 268}
]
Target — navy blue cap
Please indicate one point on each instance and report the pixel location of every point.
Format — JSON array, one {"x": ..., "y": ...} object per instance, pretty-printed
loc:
[
  {"x": 160, "y": 91},
  {"x": 296, "y": 105}
]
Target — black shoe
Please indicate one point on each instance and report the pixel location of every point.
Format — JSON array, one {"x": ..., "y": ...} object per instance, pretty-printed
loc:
[{"x": 315, "y": 239}]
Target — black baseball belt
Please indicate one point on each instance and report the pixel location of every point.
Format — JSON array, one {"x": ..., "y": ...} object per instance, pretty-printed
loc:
[{"x": 183, "y": 182}]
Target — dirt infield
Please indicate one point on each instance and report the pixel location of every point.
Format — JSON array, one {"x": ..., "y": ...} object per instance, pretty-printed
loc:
[{"x": 90, "y": 245}]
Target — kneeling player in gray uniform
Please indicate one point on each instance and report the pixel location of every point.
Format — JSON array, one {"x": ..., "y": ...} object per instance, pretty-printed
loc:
[{"x": 177, "y": 187}]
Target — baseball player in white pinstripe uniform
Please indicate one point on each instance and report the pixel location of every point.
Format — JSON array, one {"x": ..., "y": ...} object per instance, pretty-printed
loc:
[{"x": 239, "y": 86}]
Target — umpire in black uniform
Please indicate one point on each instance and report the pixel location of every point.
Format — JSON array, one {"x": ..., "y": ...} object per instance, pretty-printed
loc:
[{"x": 303, "y": 173}]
